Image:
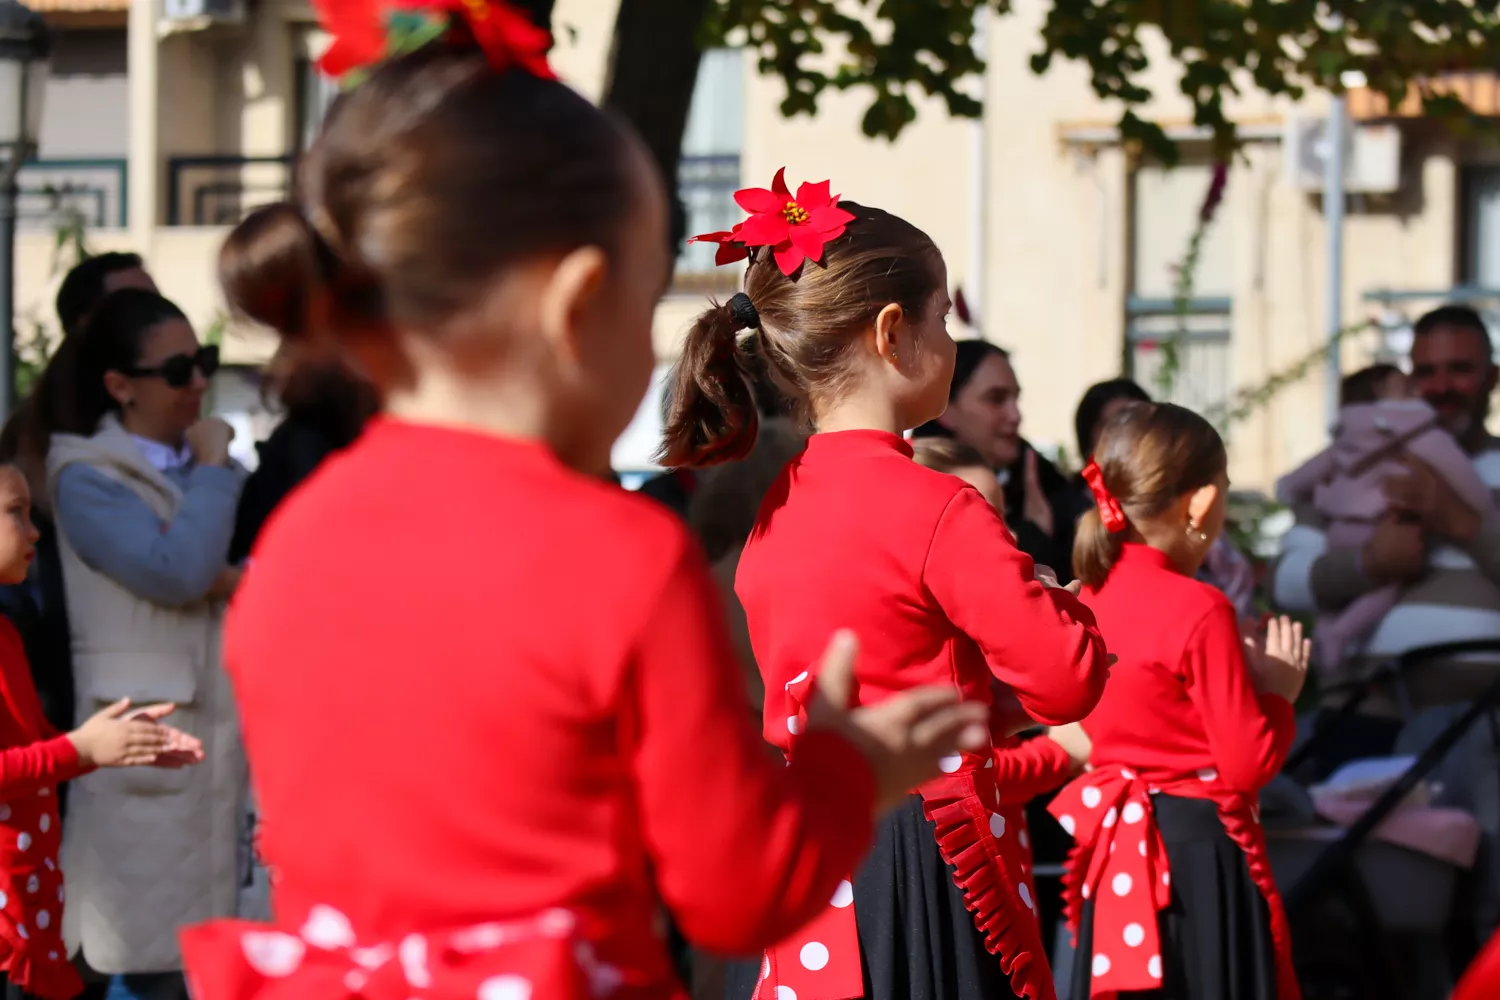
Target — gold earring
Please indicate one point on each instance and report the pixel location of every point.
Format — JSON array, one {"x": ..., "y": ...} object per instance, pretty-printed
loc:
[
  {"x": 1192, "y": 529},
  {"x": 895, "y": 356}
]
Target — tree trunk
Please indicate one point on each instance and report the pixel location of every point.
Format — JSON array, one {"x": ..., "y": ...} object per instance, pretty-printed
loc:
[{"x": 653, "y": 66}]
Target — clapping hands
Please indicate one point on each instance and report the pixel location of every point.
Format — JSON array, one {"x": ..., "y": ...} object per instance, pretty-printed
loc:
[{"x": 116, "y": 736}]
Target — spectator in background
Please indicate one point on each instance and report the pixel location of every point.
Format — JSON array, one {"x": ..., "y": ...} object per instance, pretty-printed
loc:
[
  {"x": 144, "y": 495},
  {"x": 91, "y": 279},
  {"x": 37, "y": 606},
  {"x": 984, "y": 413},
  {"x": 1225, "y": 567}
]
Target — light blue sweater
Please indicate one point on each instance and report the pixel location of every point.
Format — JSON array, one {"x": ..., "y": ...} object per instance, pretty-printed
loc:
[{"x": 115, "y": 533}]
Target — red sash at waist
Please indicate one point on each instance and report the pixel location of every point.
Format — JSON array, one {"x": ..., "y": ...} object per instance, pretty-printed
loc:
[
  {"x": 545, "y": 957},
  {"x": 1119, "y": 862}
]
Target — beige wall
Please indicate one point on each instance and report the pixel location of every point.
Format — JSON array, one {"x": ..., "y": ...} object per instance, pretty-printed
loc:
[{"x": 1056, "y": 230}]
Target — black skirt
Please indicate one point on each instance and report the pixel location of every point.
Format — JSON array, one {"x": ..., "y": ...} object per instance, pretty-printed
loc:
[
  {"x": 917, "y": 941},
  {"x": 1216, "y": 932}
]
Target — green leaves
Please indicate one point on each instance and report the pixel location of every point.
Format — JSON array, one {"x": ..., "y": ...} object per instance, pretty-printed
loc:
[{"x": 896, "y": 50}]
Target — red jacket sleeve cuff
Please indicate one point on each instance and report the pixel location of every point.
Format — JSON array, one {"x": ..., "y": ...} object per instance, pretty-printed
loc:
[{"x": 69, "y": 765}]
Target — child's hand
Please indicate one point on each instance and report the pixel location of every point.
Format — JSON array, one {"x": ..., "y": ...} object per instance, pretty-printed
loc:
[
  {"x": 183, "y": 750},
  {"x": 117, "y": 737},
  {"x": 1278, "y": 661}
]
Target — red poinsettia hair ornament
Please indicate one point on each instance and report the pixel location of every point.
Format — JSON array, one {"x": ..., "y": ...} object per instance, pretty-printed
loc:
[
  {"x": 365, "y": 32},
  {"x": 795, "y": 228},
  {"x": 1110, "y": 512}
]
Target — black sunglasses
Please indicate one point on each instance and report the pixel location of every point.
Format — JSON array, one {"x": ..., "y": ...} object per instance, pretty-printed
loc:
[{"x": 177, "y": 371}]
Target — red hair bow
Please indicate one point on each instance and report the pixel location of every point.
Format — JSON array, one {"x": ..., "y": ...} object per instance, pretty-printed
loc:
[
  {"x": 1110, "y": 513},
  {"x": 796, "y": 229},
  {"x": 368, "y": 31}
]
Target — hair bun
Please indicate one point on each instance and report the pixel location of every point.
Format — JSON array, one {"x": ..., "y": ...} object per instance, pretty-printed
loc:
[{"x": 271, "y": 266}]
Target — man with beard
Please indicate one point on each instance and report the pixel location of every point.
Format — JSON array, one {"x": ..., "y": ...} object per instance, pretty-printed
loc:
[{"x": 1445, "y": 554}]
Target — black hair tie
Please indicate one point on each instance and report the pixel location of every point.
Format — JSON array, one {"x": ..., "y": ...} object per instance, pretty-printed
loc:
[{"x": 744, "y": 312}]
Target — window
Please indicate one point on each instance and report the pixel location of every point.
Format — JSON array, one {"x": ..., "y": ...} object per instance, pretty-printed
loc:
[
  {"x": 1165, "y": 207},
  {"x": 314, "y": 91},
  {"x": 1482, "y": 227},
  {"x": 710, "y": 170}
]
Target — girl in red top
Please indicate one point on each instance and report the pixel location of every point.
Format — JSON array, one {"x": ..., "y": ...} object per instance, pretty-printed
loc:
[
  {"x": 530, "y": 727},
  {"x": 34, "y": 760},
  {"x": 849, "y": 303},
  {"x": 1168, "y": 888}
]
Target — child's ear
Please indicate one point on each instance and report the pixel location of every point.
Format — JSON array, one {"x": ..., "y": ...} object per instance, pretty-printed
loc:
[
  {"x": 568, "y": 295},
  {"x": 888, "y": 327}
]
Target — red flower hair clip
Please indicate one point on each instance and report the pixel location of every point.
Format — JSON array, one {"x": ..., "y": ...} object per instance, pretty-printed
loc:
[
  {"x": 796, "y": 229},
  {"x": 365, "y": 32},
  {"x": 1110, "y": 513}
]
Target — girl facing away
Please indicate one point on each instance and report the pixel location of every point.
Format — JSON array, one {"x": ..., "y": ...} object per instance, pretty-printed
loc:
[
  {"x": 849, "y": 305},
  {"x": 531, "y": 731},
  {"x": 1168, "y": 888}
]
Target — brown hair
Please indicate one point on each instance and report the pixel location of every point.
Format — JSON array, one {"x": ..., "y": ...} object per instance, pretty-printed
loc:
[
  {"x": 1150, "y": 455},
  {"x": 1364, "y": 385},
  {"x": 943, "y": 454},
  {"x": 727, "y": 501},
  {"x": 429, "y": 178},
  {"x": 805, "y": 327}
]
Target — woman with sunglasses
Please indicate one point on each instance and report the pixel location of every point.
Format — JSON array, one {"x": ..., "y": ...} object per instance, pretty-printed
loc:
[{"x": 145, "y": 494}]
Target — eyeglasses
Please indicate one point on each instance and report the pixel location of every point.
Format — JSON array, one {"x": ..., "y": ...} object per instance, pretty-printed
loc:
[{"x": 177, "y": 371}]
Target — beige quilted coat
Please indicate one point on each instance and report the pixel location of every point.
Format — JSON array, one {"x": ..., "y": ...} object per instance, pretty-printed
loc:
[{"x": 146, "y": 851}]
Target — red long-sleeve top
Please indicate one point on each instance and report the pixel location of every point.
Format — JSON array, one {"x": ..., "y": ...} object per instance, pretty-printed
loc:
[
  {"x": 854, "y": 534},
  {"x": 1180, "y": 700},
  {"x": 476, "y": 686},
  {"x": 34, "y": 759}
]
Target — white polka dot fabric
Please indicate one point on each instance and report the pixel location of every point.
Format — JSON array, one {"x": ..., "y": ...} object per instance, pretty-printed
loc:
[
  {"x": 1110, "y": 808},
  {"x": 541, "y": 957}
]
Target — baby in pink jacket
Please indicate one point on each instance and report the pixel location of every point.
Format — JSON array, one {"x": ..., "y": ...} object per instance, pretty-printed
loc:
[{"x": 1380, "y": 423}]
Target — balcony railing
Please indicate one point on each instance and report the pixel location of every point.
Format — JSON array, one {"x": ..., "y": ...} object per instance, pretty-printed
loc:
[
  {"x": 219, "y": 190},
  {"x": 1395, "y": 310},
  {"x": 1204, "y": 378},
  {"x": 58, "y": 192},
  {"x": 707, "y": 185}
]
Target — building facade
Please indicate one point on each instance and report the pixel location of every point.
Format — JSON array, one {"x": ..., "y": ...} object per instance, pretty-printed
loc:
[{"x": 167, "y": 119}]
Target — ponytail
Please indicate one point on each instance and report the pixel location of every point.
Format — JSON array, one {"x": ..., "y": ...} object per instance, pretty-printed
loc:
[
  {"x": 713, "y": 417},
  {"x": 1149, "y": 455},
  {"x": 1096, "y": 549}
]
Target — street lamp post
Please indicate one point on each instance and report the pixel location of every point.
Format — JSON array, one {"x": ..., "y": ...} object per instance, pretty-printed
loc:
[{"x": 24, "y": 48}]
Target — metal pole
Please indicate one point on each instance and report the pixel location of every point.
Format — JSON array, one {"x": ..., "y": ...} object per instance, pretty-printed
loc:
[
  {"x": 1333, "y": 218},
  {"x": 978, "y": 182},
  {"x": 9, "y": 190}
]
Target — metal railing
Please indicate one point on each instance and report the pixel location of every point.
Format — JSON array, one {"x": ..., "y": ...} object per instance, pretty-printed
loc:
[
  {"x": 1400, "y": 308},
  {"x": 218, "y": 190},
  {"x": 707, "y": 185},
  {"x": 91, "y": 190},
  {"x": 1204, "y": 343}
]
